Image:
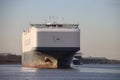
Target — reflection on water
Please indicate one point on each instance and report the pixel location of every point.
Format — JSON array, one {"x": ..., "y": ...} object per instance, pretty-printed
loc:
[
  {"x": 77, "y": 68},
  {"x": 97, "y": 70},
  {"x": 26, "y": 69},
  {"x": 81, "y": 72}
]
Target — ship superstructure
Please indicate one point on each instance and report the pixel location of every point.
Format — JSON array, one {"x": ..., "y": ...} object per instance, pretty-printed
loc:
[{"x": 50, "y": 45}]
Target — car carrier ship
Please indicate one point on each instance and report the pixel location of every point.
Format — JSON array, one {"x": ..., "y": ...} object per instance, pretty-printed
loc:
[{"x": 50, "y": 45}]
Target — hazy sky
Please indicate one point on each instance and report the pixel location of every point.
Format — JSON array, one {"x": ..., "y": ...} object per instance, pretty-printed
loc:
[{"x": 99, "y": 23}]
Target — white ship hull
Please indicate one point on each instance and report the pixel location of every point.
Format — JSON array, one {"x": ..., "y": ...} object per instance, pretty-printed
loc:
[{"x": 47, "y": 47}]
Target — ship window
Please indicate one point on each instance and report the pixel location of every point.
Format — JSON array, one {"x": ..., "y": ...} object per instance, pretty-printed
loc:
[{"x": 58, "y": 39}]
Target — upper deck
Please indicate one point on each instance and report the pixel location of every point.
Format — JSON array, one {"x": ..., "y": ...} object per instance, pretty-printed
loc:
[{"x": 53, "y": 26}]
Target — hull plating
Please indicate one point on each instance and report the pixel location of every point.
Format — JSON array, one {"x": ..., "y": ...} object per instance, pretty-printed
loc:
[
  {"x": 38, "y": 60},
  {"x": 49, "y": 57},
  {"x": 47, "y": 60}
]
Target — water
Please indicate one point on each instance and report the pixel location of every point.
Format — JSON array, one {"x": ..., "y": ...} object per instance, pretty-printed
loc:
[{"x": 82, "y": 72}]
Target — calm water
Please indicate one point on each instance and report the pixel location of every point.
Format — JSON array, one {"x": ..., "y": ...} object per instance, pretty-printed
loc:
[{"x": 82, "y": 72}]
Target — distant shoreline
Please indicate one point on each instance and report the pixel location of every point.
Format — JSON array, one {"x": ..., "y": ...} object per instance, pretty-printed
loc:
[
  {"x": 7, "y": 58},
  {"x": 10, "y": 62}
]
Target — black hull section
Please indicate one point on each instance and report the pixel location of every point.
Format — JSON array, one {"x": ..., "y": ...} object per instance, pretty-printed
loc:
[
  {"x": 64, "y": 61},
  {"x": 56, "y": 49},
  {"x": 49, "y": 57}
]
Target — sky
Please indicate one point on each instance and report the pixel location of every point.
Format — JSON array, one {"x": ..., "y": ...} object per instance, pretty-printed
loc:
[{"x": 99, "y": 23}]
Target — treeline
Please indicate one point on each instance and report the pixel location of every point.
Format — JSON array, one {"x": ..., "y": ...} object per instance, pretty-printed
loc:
[
  {"x": 8, "y": 58},
  {"x": 99, "y": 61},
  {"x": 96, "y": 60}
]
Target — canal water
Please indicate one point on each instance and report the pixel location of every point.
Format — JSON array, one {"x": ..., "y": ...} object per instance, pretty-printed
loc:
[{"x": 80, "y": 72}]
